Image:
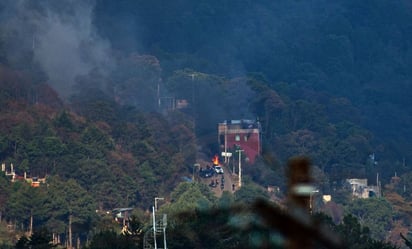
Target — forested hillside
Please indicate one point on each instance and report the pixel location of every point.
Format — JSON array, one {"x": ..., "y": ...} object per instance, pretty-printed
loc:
[
  {"x": 341, "y": 61},
  {"x": 88, "y": 93}
]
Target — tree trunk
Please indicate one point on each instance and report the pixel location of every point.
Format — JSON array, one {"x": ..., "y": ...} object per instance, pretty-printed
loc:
[
  {"x": 31, "y": 224},
  {"x": 70, "y": 233}
]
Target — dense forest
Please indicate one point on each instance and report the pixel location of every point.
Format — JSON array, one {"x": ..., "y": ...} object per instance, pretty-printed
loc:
[
  {"x": 88, "y": 93},
  {"x": 340, "y": 65}
]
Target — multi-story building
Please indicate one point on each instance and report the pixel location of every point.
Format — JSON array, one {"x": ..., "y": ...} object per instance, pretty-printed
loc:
[{"x": 240, "y": 134}]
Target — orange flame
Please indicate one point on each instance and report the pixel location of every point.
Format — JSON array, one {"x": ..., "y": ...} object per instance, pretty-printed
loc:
[{"x": 215, "y": 160}]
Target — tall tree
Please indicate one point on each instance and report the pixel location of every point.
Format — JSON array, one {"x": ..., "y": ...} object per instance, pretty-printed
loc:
[{"x": 69, "y": 206}]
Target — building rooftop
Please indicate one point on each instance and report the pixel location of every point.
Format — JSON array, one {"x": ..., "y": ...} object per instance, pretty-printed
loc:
[{"x": 241, "y": 124}]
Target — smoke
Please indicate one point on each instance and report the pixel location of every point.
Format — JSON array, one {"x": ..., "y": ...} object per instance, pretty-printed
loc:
[{"x": 61, "y": 37}]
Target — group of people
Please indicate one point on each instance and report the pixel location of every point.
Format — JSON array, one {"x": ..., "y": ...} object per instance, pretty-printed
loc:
[
  {"x": 206, "y": 172},
  {"x": 214, "y": 183}
]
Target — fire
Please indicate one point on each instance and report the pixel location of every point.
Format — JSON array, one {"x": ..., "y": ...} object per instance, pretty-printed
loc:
[{"x": 215, "y": 160}]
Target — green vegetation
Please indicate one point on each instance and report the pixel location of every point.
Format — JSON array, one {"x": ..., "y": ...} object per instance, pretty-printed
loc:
[
  {"x": 329, "y": 80},
  {"x": 378, "y": 220},
  {"x": 354, "y": 234}
]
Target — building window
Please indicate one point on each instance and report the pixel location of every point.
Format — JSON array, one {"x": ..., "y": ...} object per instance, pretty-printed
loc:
[
  {"x": 237, "y": 138},
  {"x": 245, "y": 137}
]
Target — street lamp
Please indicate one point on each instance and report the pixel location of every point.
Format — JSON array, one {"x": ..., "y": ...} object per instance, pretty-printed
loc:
[
  {"x": 310, "y": 199},
  {"x": 158, "y": 199}
]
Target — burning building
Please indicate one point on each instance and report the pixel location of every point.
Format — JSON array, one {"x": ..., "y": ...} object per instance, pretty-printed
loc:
[{"x": 243, "y": 134}]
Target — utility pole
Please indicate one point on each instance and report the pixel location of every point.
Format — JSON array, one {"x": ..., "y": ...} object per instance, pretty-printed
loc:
[
  {"x": 154, "y": 220},
  {"x": 164, "y": 231},
  {"x": 311, "y": 200},
  {"x": 240, "y": 167},
  {"x": 193, "y": 103},
  {"x": 225, "y": 141}
]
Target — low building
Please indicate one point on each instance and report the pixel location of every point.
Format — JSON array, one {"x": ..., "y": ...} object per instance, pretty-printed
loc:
[
  {"x": 361, "y": 189},
  {"x": 242, "y": 134},
  {"x": 33, "y": 181}
]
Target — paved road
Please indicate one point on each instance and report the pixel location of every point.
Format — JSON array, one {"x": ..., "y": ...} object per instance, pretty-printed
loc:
[{"x": 228, "y": 182}]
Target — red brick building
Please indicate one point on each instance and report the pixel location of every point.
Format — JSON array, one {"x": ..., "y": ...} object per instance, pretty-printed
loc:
[{"x": 242, "y": 133}]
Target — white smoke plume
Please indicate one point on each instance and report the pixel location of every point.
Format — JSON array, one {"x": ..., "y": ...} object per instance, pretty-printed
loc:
[{"x": 61, "y": 36}]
